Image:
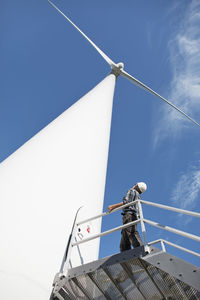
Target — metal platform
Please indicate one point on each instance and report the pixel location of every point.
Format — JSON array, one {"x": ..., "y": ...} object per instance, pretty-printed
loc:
[{"x": 131, "y": 275}]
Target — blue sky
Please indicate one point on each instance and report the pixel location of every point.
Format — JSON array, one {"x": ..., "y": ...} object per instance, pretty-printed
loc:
[{"x": 46, "y": 66}]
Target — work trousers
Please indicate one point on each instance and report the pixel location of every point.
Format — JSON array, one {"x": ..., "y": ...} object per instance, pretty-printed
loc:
[{"x": 130, "y": 236}]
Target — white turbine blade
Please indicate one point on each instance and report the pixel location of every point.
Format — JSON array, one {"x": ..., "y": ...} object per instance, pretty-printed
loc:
[
  {"x": 107, "y": 59},
  {"x": 145, "y": 87}
]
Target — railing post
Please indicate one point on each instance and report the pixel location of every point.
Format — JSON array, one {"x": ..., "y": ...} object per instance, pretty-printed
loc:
[
  {"x": 146, "y": 247},
  {"x": 163, "y": 245},
  {"x": 66, "y": 259}
]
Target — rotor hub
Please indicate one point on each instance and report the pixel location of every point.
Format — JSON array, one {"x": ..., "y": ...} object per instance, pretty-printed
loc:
[{"x": 116, "y": 69}]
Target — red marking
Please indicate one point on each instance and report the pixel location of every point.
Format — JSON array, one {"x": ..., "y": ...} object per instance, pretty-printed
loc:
[{"x": 88, "y": 229}]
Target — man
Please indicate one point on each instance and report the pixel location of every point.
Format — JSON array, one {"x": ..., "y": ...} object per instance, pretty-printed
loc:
[{"x": 130, "y": 235}]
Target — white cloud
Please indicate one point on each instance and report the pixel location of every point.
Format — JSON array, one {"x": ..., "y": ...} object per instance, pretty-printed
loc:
[
  {"x": 186, "y": 193},
  {"x": 184, "y": 51}
]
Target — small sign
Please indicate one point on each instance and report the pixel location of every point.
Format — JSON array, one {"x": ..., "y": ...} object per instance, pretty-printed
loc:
[{"x": 83, "y": 231}]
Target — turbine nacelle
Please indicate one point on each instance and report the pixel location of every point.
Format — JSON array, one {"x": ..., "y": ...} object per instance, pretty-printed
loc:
[
  {"x": 120, "y": 65},
  {"x": 117, "y": 68}
]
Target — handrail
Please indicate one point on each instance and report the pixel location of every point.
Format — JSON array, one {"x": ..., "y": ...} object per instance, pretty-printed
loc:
[
  {"x": 106, "y": 232},
  {"x": 142, "y": 221},
  {"x": 175, "y": 209},
  {"x": 175, "y": 246},
  {"x": 171, "y": 229},
  {"x": 106, "y": 213},
  {"x": 182, "y": 248},
  {"x": 167, "y": 228}
]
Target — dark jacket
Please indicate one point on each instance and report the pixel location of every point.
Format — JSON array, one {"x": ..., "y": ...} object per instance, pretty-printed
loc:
[{"x": 131, "y": 196}]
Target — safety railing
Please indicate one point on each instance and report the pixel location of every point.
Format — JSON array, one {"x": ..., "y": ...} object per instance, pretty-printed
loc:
[{"x": 142, "y": 221}]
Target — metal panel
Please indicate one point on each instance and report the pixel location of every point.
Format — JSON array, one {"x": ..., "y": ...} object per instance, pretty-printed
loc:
[
  {"x": 176, "y": 267},
  {"x": 128, "y": 276},
  {"x": 108, "y": 261}
]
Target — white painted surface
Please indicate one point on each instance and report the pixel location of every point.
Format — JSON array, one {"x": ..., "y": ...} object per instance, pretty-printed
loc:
[{"x": 41, "y": 187}]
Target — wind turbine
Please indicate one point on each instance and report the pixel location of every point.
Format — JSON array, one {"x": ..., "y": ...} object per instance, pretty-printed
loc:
[
  {"x": 38, "y": 184},
  {"x": 118, "y": 68}
]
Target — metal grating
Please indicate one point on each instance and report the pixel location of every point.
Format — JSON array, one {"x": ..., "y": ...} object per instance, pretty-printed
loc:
[
  {"x": 144, "y": 281},
  {"x": 129, "y": 276},
  {"x": 74, "y": 290},
  {"x": 156, "y": 276},
  {"x": 107, "y": 284},
  {"x": 168, "y": 284},
  {"x": 88, "y": 284},
  {"x": 124, "y": 282},
  {"x": 64, "y": 293},
  {"x": 190, "y": 292}
]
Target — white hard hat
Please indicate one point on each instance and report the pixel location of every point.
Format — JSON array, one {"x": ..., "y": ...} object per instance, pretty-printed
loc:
[{"x": 142, "y": 186}]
